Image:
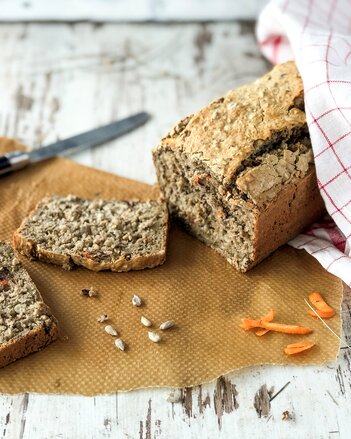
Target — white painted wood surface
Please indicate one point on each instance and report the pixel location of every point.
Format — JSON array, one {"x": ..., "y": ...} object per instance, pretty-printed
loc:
[
  {"x": 57, "y": 80},
  {"x": 127, "y": 10}
]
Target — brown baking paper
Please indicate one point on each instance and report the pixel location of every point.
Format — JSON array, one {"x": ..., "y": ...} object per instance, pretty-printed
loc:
[{"x": 196, "y": 287}]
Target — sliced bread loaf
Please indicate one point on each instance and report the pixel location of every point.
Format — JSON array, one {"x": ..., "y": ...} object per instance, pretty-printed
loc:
[
  {"x": 26, "y": 323},
  {"x": 239, "y": 174},
  {"x": 97, "y": 234}
]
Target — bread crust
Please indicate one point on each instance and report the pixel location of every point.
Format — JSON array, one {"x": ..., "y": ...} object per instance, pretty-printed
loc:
[
  {"x": 33, "y": 341},
  {"x": 229, "y": 130},
  {"x": 32, "y": 250},
  {"x": 297, "y": 205}
]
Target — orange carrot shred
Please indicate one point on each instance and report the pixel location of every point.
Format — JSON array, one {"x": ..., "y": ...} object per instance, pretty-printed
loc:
[
  {"x": 267, "y": 318},
  {"x": 249, "y": 324},
  {"x": 261, "y": 331},
  {"x": 324, "y": 315},
  {"x": 272, "y": 326},
  {"x": 322, "y": 308},
  {"x": 296, "y": 348},
  {"x": 288, "y": 329}
]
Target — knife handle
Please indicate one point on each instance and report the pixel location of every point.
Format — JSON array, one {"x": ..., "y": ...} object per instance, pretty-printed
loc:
[{"x": 13, "y": 161}]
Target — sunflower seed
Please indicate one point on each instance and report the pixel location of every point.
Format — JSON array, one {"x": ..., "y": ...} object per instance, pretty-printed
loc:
[
  {"x": 102, "y": 318},
  {"x": 144, "y": 321},
  {"x": 153, "y": 336},
  {"x": 167, "y": 325},
  {"x": 120, "y": 344},
  {"x": 136, "y": 301},
  {"x": 111, "y": 330},
  {"x": 174, "y": 396}
]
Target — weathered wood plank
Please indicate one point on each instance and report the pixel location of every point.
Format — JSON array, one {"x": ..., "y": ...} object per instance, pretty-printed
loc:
[
  {"x": 124, "y": 10},
  {"x": 92, "y": 75}
]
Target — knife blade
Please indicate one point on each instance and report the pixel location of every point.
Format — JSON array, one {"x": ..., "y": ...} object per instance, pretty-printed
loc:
[{"x": 16, "y": 160}]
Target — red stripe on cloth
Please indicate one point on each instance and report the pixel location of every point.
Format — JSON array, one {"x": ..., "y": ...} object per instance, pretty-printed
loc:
[
  {"x": 334, "y": 178},
  {"x": 327, "y": 70},
  {"x": 337, "y": 259},
  {"x": 338, "y": 210},
  {"x": 342, "y": 207},
  {"x": 321, "y": 249},
  {"x": 334, "y": 143},
  {"x": 337, "y": 239},
  {"x": 276, "y": 45},
  {"x": 329, "y": 224},
  {"x": 331, "y": 146},
  {"x": 307, "y": 242},
  {"x": 274, "y": 41},
  {"x": 328, "y": 112},
  {"x": 331, "y": 81},
  {"x": 321, "y": 60},
  {"x": 307, "y": 18}
]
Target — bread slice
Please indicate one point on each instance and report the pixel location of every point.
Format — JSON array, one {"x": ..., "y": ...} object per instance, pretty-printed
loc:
[
  {"x": 239, "y": 174},
  {"x": 96, "y": 234},
  {"x": 26, "y": 323}
]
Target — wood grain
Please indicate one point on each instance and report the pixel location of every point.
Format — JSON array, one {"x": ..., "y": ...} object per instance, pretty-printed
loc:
[
  {"x": 125, "y": 10},
  {"x": 60, "y": 79}
]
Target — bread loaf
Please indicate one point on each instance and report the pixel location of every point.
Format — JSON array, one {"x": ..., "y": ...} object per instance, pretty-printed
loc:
[{"x": 239, "y": 174}]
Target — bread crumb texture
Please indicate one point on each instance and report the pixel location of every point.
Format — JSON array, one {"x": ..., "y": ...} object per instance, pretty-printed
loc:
[{"x": 20, "y": 303}]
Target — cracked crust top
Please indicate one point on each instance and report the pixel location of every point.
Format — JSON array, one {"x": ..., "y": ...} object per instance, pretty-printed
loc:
[{"x": 233, "y": 128}]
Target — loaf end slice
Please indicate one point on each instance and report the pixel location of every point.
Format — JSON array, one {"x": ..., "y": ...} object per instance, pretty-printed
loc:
[
  {"x": 239, "y": 174},
  {"x": 26, "y": 323},
  {"x": 96, "y": 234}
]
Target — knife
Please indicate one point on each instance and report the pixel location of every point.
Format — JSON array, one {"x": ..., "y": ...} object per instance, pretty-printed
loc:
[{"x": 13, "y": 161}]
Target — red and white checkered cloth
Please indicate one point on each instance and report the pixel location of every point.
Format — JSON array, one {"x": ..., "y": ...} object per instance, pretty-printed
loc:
[{"x": 317, "y": 34}]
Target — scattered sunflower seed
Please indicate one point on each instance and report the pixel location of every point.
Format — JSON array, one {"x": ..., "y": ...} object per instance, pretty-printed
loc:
[
  {"x": 136, "y": 301},
  {"x": 89, "y": 292},
  {"x": 153, "y": 336},
  {"x": 102, "y": 318},
  {"x": 167, "y": 325},
  {"x": 111, "y": 330},
  {"x": 144, "y": 321},
  {"x": 174, "y": 396},
  {"x": 120, "y": 344}
]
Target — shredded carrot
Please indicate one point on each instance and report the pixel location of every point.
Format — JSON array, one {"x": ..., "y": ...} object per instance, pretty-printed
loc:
[
  {"x": 261, "y": 331},
  {"x": 249, "y": 324},
  {"x": 324, "y": 315},
  {"x": 322, "y": 308},
  {"x": 272, "y": 326},
  {"x": 288, "y": 329},
  {"x": 296, "y": 348},
  {"x": 267, "y": 318}
]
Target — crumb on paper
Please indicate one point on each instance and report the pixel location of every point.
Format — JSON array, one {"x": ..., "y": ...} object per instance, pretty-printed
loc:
[
  {"x": 102, "y": 318},
  {"x": 89, "y": 292},
  {"x": 286, "y": 415}
]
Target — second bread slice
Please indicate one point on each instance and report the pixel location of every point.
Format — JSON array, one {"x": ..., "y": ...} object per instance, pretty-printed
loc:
[{"x": 96, "y": 234}]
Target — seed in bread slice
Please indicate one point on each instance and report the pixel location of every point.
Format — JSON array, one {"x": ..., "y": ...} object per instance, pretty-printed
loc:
[
  {"x": 96, "y": 234},
  {"x": 26, "y": 323}
]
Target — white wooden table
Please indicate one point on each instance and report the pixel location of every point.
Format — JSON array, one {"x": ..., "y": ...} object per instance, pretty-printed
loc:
[{"x": 60, "y": 79}]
